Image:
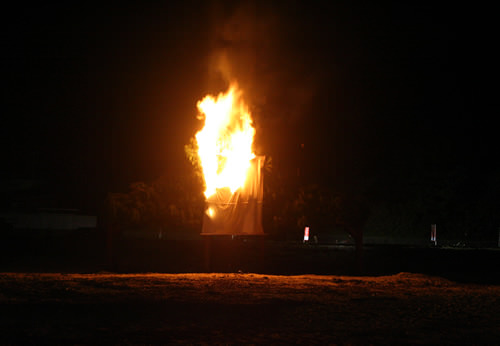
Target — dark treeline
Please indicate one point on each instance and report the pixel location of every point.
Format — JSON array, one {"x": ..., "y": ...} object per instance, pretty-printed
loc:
[{"x": 460, "y": 201}]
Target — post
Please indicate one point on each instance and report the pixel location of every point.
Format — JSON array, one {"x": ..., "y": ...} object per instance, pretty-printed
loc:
[
  {"x": 433, "y": 234},
  {"x": 306, "y": 234},
  {"x": 358, "y": 241},
  {"x": 207, "y": 244}
]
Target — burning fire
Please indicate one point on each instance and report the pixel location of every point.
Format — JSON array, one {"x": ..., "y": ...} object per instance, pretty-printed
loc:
[{"x": 225, "y": 142}]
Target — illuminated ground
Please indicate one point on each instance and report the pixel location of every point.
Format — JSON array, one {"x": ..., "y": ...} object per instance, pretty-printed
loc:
[{"x": 245, "y": 308}]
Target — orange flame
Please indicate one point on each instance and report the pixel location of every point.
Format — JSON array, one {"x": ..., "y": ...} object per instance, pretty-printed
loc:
[{"x": 225, "y": 142}]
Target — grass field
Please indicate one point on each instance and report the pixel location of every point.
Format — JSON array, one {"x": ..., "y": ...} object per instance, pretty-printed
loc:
[
  {"x": 231, "y": 308},
  {"x": 73, "y": 290}
]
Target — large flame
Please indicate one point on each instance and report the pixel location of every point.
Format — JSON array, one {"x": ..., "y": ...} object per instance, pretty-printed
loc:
[{"x": 225, "y": 142}]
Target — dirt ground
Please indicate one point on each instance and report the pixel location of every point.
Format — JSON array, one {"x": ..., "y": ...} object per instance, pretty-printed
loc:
[{"x": 237, "y": 308}]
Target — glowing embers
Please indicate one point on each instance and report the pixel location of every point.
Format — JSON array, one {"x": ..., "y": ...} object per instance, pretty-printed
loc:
[{"x": 210, "y": 212}]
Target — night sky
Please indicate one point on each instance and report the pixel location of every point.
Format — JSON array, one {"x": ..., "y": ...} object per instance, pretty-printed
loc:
[{"x": 97, "y": 97}]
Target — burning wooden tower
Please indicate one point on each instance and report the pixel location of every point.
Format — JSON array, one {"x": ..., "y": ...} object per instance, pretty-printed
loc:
[
  {"x": 232, "y": 172},
  {"x": 238, "y": 213}
]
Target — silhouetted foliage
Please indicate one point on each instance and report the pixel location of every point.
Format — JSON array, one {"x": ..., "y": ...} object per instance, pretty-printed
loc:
[
  {"x": 166, "y": 203},
  {"x": 191, "y": 151},
  {"x": 462, "y": 204},
  {"x": 289, "y": 207}
]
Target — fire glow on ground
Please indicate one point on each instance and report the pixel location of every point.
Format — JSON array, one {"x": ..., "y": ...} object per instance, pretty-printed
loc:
[{"x": 245, "y": 308}]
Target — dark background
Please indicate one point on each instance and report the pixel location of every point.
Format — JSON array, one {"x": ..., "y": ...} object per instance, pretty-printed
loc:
[{"x": 362, "y": 98}]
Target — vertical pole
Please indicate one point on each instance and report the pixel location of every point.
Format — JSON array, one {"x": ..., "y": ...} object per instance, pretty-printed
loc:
[
  {"x": 207, "y": 244},
  {"x": 359, "y": 252},
  {"x": 109, "y": 245},
  {"x": 433, "y": 234}
]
